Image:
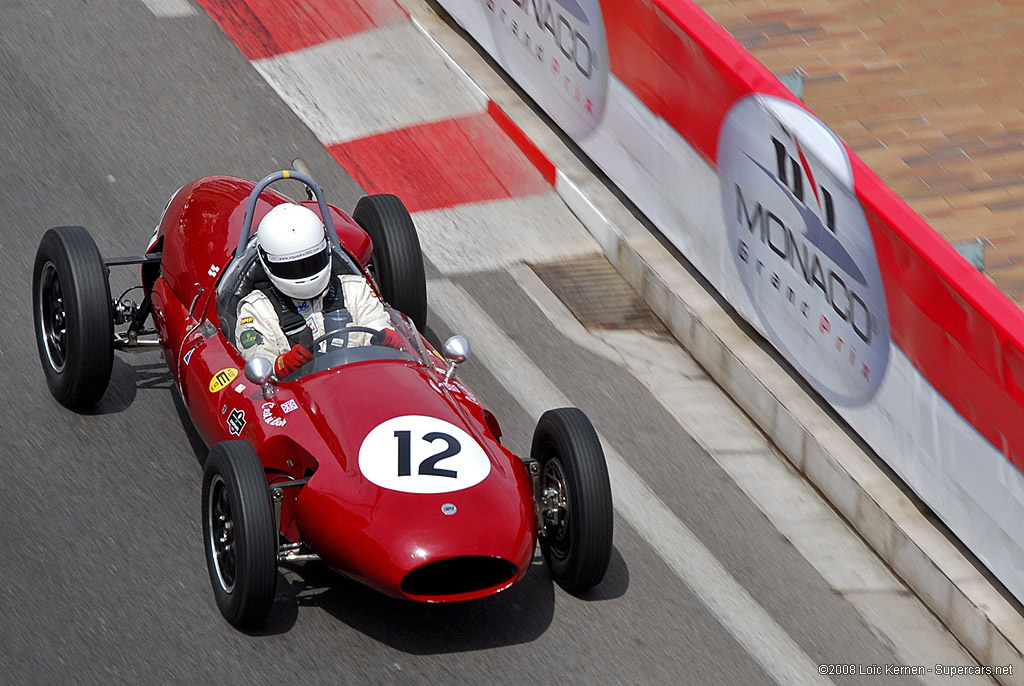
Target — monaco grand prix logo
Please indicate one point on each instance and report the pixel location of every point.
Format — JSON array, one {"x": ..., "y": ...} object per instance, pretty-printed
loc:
[
  {"x": 558, "y": 51},
  {"x": 802, "y": 246}
]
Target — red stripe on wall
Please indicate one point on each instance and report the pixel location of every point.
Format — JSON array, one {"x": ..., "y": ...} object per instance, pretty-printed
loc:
[
  {"x": 956, "y": 327},
  {"x": 528, "y": 148},
  {"x": 688, "y": 76},
  {"x": 442, "y": 164},
  {"x": 963, "y": 335},
  {"x": 264, "y": 28}
]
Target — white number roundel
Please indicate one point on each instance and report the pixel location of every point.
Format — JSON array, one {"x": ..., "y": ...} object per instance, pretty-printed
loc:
[{"x": 418, "y": 454}]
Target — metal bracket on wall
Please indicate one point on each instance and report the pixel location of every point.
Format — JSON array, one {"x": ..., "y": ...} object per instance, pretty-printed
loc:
[{"x": 973, "y": 252}]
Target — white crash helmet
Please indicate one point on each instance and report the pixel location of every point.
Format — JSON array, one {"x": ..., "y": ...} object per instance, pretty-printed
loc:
[{"x": 293, "y": 248}]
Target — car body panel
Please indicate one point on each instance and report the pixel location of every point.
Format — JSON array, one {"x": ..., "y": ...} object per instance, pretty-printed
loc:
[{"x": 343, "y": 514}]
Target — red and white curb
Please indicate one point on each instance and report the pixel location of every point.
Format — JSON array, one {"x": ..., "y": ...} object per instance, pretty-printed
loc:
[{"x": 401, "y": 117}]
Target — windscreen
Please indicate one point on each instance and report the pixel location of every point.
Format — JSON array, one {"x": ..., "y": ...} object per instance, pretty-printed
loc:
[{"x": 349, "y": 346}]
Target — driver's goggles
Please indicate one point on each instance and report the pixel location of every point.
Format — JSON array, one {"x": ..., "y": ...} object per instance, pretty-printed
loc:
[{"x": 301, "y": 265}]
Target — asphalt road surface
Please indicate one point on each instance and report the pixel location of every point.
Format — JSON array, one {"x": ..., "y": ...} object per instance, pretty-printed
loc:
[{"x": 105, "y": 109}]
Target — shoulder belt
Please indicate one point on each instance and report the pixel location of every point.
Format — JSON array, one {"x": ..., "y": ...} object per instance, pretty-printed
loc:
[
  {"x": 334, "y": 298},
  {"x": 293, "y": 323}
]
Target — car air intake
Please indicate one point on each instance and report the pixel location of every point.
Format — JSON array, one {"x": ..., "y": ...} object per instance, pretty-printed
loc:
[{"x": 457, "y": 576}]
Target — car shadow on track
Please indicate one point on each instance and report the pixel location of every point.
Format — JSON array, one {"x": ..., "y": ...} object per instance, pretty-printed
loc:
[
  {"x": 195, "y": 441},
  {"x": 615, "y": 582},
  {"x": 519, "y": 615},
  {"x": 125, "y": 381}
]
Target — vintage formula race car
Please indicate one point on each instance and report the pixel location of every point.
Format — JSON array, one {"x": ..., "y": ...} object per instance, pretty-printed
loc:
[{"x": 376, "y": 459}]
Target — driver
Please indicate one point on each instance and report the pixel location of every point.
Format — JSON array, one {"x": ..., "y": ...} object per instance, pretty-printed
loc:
[{"x": 281, "y": 318}]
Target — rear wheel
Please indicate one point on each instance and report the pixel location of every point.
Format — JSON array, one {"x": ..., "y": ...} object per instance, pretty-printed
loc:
[
  {"x": 72, "y": 312},
  {"x": 397, "y": 262},
  {"x": 239, "y": 533},
  {"x": 576, "y": 499}
]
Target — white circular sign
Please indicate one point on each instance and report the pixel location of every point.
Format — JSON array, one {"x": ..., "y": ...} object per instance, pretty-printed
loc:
[
  {"x": 802, "y": 245},
  {"x": 557, "y": 50},
  {"x": 419, "y": 454}
]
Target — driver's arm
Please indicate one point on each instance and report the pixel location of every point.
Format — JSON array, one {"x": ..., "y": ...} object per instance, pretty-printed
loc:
[
  {"x": 258, "y": 331},
  {"x": 365, "y": 308}
]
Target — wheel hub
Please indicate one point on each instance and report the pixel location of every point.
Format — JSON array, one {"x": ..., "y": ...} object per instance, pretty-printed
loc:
[
  {"x": 555, "y": 503},
  {"x": 52, "y": 317},
  {"x": 222, "y": 540}
]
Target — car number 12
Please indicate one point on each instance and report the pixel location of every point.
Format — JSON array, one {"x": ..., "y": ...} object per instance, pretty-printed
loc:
[
  {"x": 428, "y": 466},
  {"x": 419, "y": 454}
]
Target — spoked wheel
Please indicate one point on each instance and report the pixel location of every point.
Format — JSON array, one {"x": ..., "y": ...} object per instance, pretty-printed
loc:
[
  {"x": 576, "y": 499},
  {"x": 239, "y": 533},
  {"x": 397, "y": 262},
  {"x": 72, "y": 313}
]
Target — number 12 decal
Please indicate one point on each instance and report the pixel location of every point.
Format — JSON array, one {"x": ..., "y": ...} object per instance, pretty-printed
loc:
[
  {"x": 420, "y": 454},
  {"x": 427, "y": 466}
]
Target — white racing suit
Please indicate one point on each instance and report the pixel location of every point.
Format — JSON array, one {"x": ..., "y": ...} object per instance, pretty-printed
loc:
[{"x": 258, "y": 331}]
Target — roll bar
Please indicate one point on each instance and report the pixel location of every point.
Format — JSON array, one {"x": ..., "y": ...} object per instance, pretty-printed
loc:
[{"x": 250, "y": 208}]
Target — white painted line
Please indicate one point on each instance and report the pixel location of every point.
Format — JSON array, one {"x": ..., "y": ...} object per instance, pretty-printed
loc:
[
  {"x": 169, "y": 9},
  {"x": 371, "y": 82},
  {"x": 500, "y": 233},
  {"x": 685, "y": 554},
  {"x": 798, "y": 512}
]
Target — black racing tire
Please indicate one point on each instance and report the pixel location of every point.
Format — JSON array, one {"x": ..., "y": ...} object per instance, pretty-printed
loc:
[
  {"x": 397, "y": 261},
  {"x": 578, "y": 549},
  {"x": 239, "y": 534},
  {"x": 73, "y": 316}
]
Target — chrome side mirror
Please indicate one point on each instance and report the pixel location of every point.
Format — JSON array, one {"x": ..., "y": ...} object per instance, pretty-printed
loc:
[
  {"x": 260, "y": 370},
  {"x": 456, "y": 350}
]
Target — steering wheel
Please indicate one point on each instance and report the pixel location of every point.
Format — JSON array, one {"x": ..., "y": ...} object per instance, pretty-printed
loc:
[{"x": 343, "y": 330}]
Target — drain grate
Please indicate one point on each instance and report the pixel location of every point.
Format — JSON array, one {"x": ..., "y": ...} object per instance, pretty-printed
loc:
[{"x": 597, "y": 295}]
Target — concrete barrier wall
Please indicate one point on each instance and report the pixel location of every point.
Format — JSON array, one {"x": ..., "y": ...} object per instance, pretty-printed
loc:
[{"x": 913, "y": 347}]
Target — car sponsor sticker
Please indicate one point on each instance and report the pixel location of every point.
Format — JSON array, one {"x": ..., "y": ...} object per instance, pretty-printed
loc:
[
  {"x": 236, "y": 422},
  {"x": 250, "y": 337},
  {"x": 213, "y": 270},
  {"x": 289, "y": 406},
  {"x": 240, "y": 388},
  {"x": 222, "y": 378},
  {"x": 419, "y": 454},
  {"x": 456, "y": 386},
  {"x": 270, "y": 417},
  {"x": 188, "y": 355},
  {"x": 449, "y": 509}
]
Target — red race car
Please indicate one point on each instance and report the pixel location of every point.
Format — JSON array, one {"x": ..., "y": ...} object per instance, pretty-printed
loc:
[{"x": 375, "y": 459}]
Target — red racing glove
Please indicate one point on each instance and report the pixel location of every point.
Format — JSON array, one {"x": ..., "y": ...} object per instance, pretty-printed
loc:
[
  {"x": 387, "y": 337},
  {"x": 288, "y": 362}
]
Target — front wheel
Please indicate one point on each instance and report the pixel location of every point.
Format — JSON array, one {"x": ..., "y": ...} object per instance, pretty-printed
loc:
[
  {"x": 575, "y": 499},
  {"x": 72, "y": 312},
  {"x": 397, "y": 262},
  {"x": 239, "y": 534}
]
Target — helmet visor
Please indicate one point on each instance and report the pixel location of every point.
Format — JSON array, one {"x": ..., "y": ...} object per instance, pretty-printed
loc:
[{"x": 300, "y": 265}]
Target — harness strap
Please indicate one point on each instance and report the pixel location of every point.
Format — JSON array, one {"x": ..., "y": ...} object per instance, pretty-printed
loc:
[
  {"x": 334, "y": 298},
  {"x": 293, "y": 323}
]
